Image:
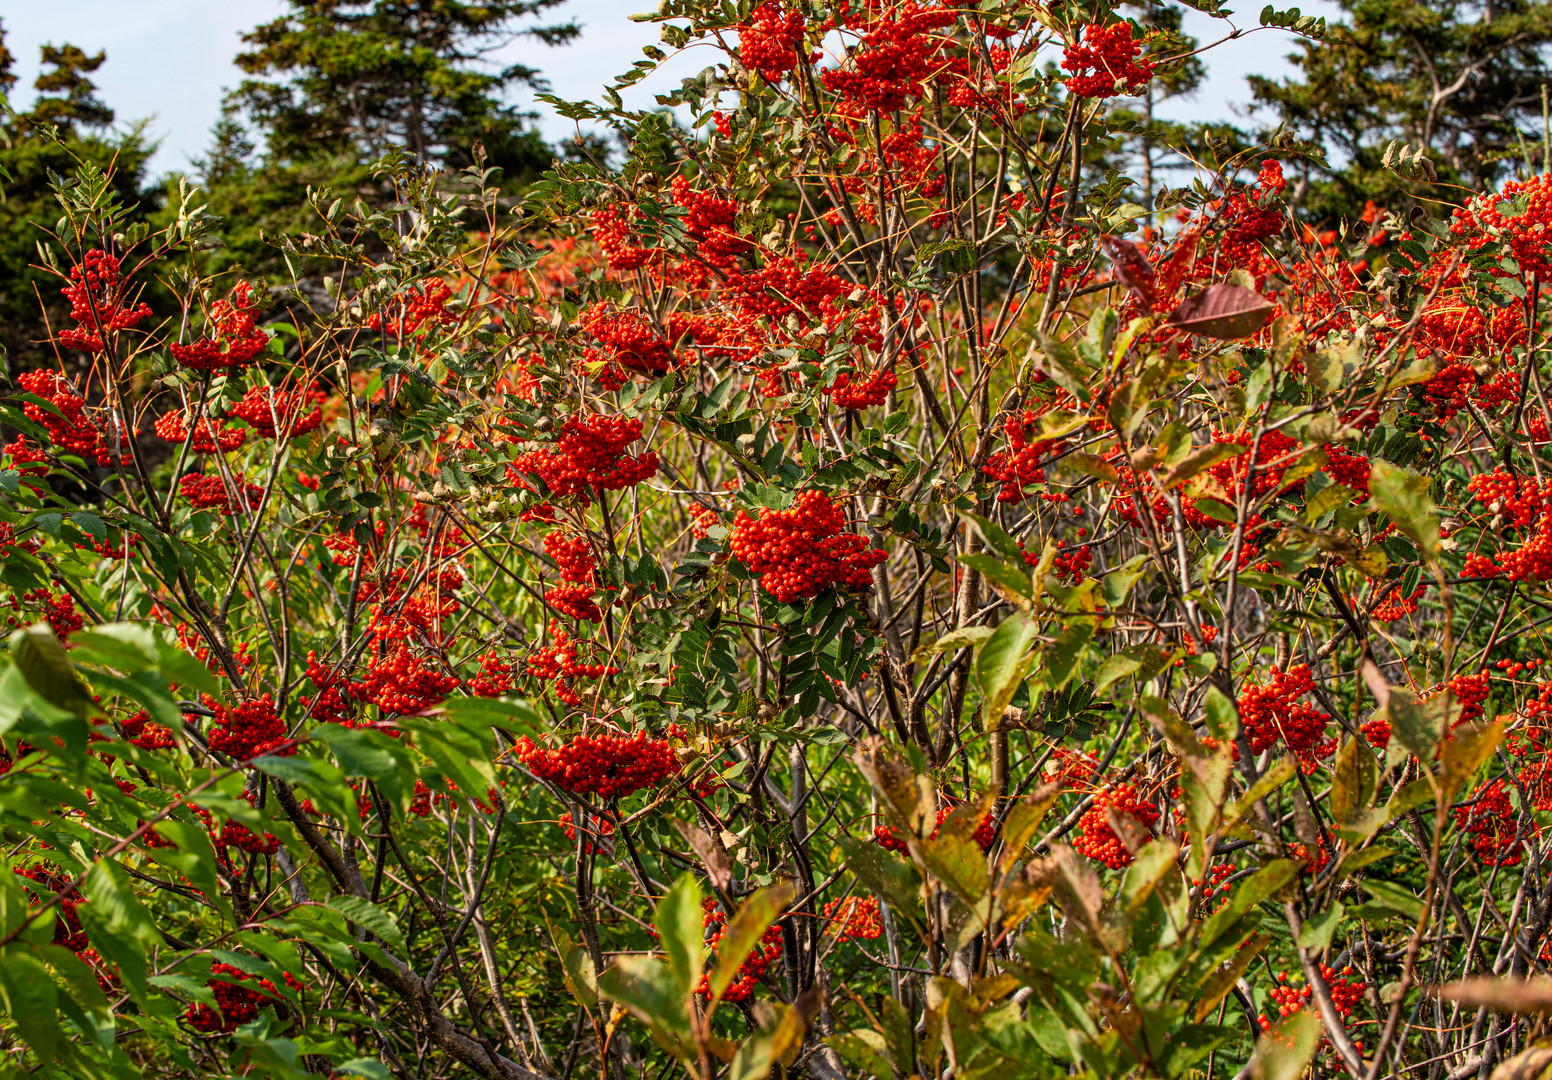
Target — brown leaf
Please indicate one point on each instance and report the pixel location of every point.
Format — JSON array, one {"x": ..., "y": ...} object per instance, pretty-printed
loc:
[
  {"x": 1130, "y": 265},
  {"x": 1375, "y": 681},
  {"x": 1501, "y": 995},
  {"x": 1533, "y": 1064},
  {"x": 713, "y": 856},
  {"x": 1222, "y": 311}
]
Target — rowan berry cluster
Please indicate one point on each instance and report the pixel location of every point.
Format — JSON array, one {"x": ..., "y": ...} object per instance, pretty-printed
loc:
[
  {"x": 412, "y": 310},
  {"x": 770, "y": 41},
  {"x": 1497, "y": 832},
  {"x": 69, "y": 429},
  {"x": 765, "y": 952},
  {"x": 57, "y": 609},
  {"x": 211, "y": 493},
  {"x": 236, "y": 340},
  {"x": 557, "y": 663},
  {"x": 802, "y": 551},
  {"x": 398, "y": 681},
  {"x": 609, "y": 766},
  {"x": 495, "y": 677},
  {"x": 140, "y": 730},
  {"x": 575, "y": 601},
  {"x": 1023, "y": 462},
  {"x": 248, "y": 729},
  {"x": 1396, "y": 606},
  {"x": 899, "y": 52},
  {"x": 1521, "y": 215},
  {"x": 1271, "y": 711},
  {"x": 856, "y": 391},
  {"x": 985, "y": 833},
  {"x": 855, "y": 917},
  {"x": 633, "y": 343},
  {"x": 1107, "y": 63},
  {"x": 1097, "y": 839},
  {"x": 97, "y": 303},
  {"x": 600, "y": 833},
  {"x": 1346, "y": 993},
  {"x": 263, "y": 407},
  {"x": 67, "y": 926},
  {"x": 209, "y": 437},
  {"x": 590, "y": 455},
  {"x": 236, "y": 1003},
  {"x": 573, "y": 556},
  {"x": 1214, "y": 884},
  {"x": 712, "y": 223}
]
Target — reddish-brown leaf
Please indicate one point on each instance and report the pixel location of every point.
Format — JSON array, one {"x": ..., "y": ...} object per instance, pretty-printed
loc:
[
  {"x": 1132, "y": 269},
  {"x": 1222, "y": 311}
]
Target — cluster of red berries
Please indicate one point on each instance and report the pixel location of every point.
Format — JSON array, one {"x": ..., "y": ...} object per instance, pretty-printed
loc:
[
  {"x": 97, "y": 303},
  {"x": 590, "y": 454},
  {"x": 711, "y": 221},
  {"x": 67, "y": 926},
  {"x": 985, "y": 833},
  {"x": 495, "y": 677},
  {"x": 557, "y": 663},
  {"x": 765, "y": 952},
  {"x": 236, "y": 340},
  {"x": 1097, "y": 839},
  {"x": 248, "y": 729},
  {"x": 210, "y": 437},
  {"x": 141, "y": 731},
  {"x": 1107, "y": 63},
  {"x": 575, "y": 601},
  {"x": 855, "y": 917},
  {"x": 1022, "y": 463},
  {"x": 803, "y": 551},
  {"x": 418, "y": 306},
  {"x": 856, "y": 391},
  {"x": 69, "y": 428},
  {"x": 1271, "y": 711},
  {"x": 1489, "y": 818},
  {"x": 633, "y": 343},
  {"x": 600, "y": 832},
  {"x": 401, "y": 682},
  {"x": 612, "y": 230},
  {"x": 1499, "y": 217},
  {"x": 899, "y": 52},
  {"x": 1346, "y": 993},
  {"x": 770, "y": 41},
  {"x": 57, "y": 609},
  {"x": 262, "y": 407},
  {"x": 236, "y": 1003},
  {"x": 1214, "y": 884},
  {"x": 211, "y": 493},
  {"x": 609, "y": 766},
  {"x": 573, "y": 556}
]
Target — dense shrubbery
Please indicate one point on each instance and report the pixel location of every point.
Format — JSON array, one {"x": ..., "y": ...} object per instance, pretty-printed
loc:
[{"x": 841, "y": 591}]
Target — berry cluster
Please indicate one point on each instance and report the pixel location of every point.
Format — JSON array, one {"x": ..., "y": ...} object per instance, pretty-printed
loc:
[
  {"x": 1489, "y": 818},
  {"x": 1022, "y": 463},
  {"x": 401, "y": 682},
  {"x": 1107, "y": 63},
  {"x": 494, "y": 679},
  {"x": 770, "y": 41},
  {"x": 1271, "y": 711},
  {"x": 247, "y": 730},
  {"x": 1521, "y": 214},
  {"x": 67, "y": 926},
  {"x": 211, "y": 493},
  {"x": 1346, "y": 993},
  {"x": 575, "y": 601},
  {"x": 418, "y": 306},
  {"x": 590, "y": 455},
  {"x": 209, "y": 436},
  {"x": 236, "y": 340},
  {"x": 600, "y": 833},
  {"x": 856, "y": 391},
  {"x": 557, "y": 663},
  {"x": 984, "y": 835},
  {"x": 712, "y": 222},
  {"x": 140, "y": 730},
  {"x": 1097, "y": 839},
  {"x": 633, "y": 343},
  {"x": 899, "y": 52},
  {"x": 236, "y": 1004},
  {"x": 760, "y": 958},
  {"x": 69, "y": 429},
  {"x": 573, "y": 556},
  {"x": 97, "y": 303},
  {"x": 263, "y": 407},
  {"x": 803, "y": 551},
  {"x": 609, "y": 766},
  {"x": 855, "y": 917},
  {"x": 1214, "y": 884}
]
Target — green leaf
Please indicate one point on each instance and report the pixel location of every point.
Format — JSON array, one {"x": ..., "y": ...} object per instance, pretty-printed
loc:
[
  {"x": 1416, "y": 724},
  {"x": 647, "y": 988},
  {"x": 679, "y": 921},
  {"x": 744, "y": 930},
  {"x": 1199, "y": 461},
  {"x": 31, "y": 1001},
  {"x": 1258, "y": 887},
  {"x": 368, "y": 915},
  {"x": 41, "y": 659},
  {"x": 1316, "y": 932},
  {"x": 996, "y": 539},
  {"x": 1285, "y": 1052},
  {"x": 1003, "y": 663},
  {"x": 1403, "y": 497},
  {"x": 1061, "y": 659}
]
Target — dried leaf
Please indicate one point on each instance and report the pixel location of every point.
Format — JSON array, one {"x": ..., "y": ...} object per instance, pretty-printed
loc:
[
  {"x": 1222, "y": 311},
  {"x": 1501, "y": 995},
  {"x": 1132, "y": 269},
  {"x": 713, "y": 856}
]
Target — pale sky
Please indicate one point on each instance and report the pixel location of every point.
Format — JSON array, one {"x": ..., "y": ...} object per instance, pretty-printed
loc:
[{"x": 169, "y": 61}]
